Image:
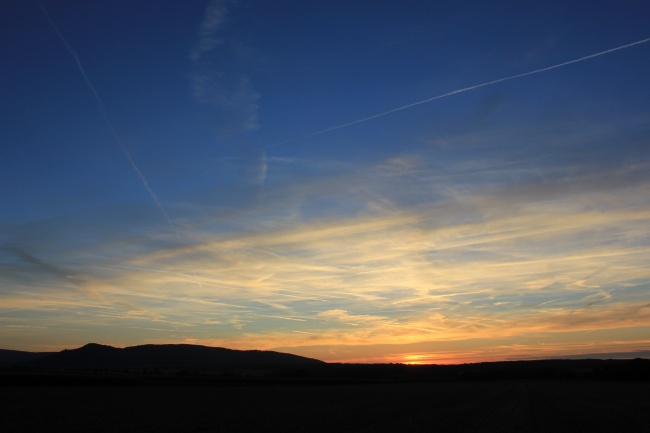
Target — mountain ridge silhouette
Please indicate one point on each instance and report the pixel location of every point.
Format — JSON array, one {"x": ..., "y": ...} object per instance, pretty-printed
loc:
[
  {"x": 102, "y": 364},
  {"x": 157, "y": 356}
]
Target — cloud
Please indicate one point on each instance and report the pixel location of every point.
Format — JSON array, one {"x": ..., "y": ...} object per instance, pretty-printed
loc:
[
  {"x": 34, "y": 264},
  {"x": 461, "y": 90},
  {"x": 350, "y": 319},
  {"x": 415, "y": 256},
  {"x": 219, "y": 79},
  {"x": 233, "y": 99},
  {"x": 213, "y": 19},
  {"x": 102, "y": 111}
]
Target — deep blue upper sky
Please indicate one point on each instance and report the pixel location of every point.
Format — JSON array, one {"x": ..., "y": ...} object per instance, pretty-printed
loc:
[{"x": 159, "y": 156}]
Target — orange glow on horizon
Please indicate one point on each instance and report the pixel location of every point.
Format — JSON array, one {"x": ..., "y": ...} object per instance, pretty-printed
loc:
[
  {"x": 424, "y": 359},
  {"x": 418, "y": 359}
]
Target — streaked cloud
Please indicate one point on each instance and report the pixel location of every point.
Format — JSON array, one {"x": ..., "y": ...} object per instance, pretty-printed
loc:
[
  {"x": 213, "y": 19},
  {"x": 505, "y": 219},
  {"x": 537, "y": 258},
  {"x": 463, "y": 90},
  {"x": 219, "y": 78}
]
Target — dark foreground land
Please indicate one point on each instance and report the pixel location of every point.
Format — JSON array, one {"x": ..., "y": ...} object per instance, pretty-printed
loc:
[{"x": 426, "y": 406}]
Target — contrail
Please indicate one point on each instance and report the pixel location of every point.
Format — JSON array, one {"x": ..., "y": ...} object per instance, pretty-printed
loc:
[
  {"x": 464, "y": 89},
  {"x": 102, "y": 111},
  {"x": 107, "y": 120}
]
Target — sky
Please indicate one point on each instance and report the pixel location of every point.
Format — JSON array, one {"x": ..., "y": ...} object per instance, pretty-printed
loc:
[{"x": 353, "y": 181}]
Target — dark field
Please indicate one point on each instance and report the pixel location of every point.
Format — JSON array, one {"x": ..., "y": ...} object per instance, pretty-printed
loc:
[{"x": 446, "y": 406}]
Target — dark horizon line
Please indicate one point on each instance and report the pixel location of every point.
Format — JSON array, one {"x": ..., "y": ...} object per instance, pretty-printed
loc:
[{"x": 644, "y": 354}]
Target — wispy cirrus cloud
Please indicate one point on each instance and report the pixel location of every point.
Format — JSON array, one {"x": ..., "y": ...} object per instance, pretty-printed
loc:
[
  {"x": 559, "y": 249},
  {"x": 219, "y": 78},
  {"x": 214, "y": 18}
]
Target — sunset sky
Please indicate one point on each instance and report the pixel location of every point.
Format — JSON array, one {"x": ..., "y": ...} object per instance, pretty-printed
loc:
[{"x": 354, "y": 181}]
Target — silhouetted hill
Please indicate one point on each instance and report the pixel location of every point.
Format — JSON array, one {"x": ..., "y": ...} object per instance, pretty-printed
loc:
[
  {"x": 15, "y": 357},
  {"x": 171, "y": 363},
  {"x": 548, "y": 369},
  {"x": 610, "y": 355},
  {"x": 166, "y": 356}
]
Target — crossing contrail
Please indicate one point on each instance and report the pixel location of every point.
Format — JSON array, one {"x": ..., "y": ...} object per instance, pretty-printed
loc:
[
  {"x": 107, "y": 120},
  {"x": 457, "y": 91},
  {"x": 118, "y": 141}
]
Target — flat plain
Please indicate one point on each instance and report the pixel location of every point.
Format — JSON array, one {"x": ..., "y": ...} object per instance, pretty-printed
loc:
[{"x": 436, "y": 406}]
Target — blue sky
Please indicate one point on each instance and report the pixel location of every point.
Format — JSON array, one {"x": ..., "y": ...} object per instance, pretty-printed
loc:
[{"x": 251, "y": 174}]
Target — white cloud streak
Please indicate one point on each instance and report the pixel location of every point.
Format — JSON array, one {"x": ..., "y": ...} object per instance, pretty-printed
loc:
[
  {"x": 118, "y": 141},
  {"x": 214, "y": 17},
  {"x": 102, "y": 110},
  {"x": 457, "y": 91},
  {"x": 231, "y": 94}
]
